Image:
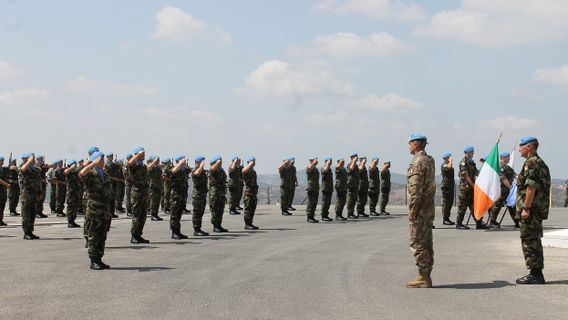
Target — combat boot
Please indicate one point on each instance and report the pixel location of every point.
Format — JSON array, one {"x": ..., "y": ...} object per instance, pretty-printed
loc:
[
  {"x": 137, "y": 239},
  {"x": 385, "y": 213},
  {"x": 61, "y": 215},
  {"x": 362, "y": 215},
  {"x": 219, "y": 229},
  {"x": 234, "y": 212},
  {"x": 326, "y": 218},
  {"x": 340, "y": 218},
  {"x": 313, "y": 220},
  {"x": 422, "y": 281},
  {"x": 494, "y": 225},
  {"x": 239, "y": 208},
  {"x": 292, "y": 208},
  {"x": 13, "y": 213},
  {"x": 41, "y": 215},
  {"x": 286, "y": 213},
  {"x": 374, "y": 213},
  {"x": 250, "y": 226},
  {"x": 155, "y": 217},
  {"x": 2, "y": 223},
  {"x": 72, "y": 224},
  {"x": 95, "y": 265},
  {"x": 352, "y": 216},
  {"x": 177, "y": 235},
  {"x": 199, "y": 233},
  {"x": 114, "y": 216},
  {"x": 448, "y": 222},
  {"x": 104, "y": 265},
  {"x": 479, "y": 225},
  {"x": 120, "y": 209},
  {"x": 460, "y": 226}
]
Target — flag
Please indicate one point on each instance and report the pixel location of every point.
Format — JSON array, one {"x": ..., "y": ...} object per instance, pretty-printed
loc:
[
  {"x": 512, "y": 197},
  {"x": 487, "y": 185}
]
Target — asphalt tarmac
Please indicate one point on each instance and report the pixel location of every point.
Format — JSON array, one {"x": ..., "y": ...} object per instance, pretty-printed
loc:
[{"x": 288, "y": 269}]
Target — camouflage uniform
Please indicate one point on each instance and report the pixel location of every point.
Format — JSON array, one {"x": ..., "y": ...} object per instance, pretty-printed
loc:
[
  {"x": 313, "y": 191},
  {"x": 178, "y": 195},
  {"x": 448, "y": 190},
  {"x": 340, "y": 190},
  {"x": 113, "y": 171},
  {"x": 127, "y": 188},
  {"x": 199, "y": 198},
  {"x": 374, "y": 188},
  {"x": 97, "y": 217},
  {"x": 326, "y": 191},
  {"x": 566, "y": 196},
  {"x": 535, "y": 173},
  {"x": 508, "y": 173},
  {"x": 167, "y": 191},
  {"x": 467, "y": 167},
  {"x": 156, "y": 186},
  {"x": 385, "y": 188},
  {"x": 119, "y": 188},
  {"x": 421, "y": 190},
  {"x": 14, "y": 191},
  {"x": 30, "y": 182},
  {"x": 43, "y": 178},
  {"x": 73, "y": 194},
  {"x": 285, "y": 189},
  {"x": 352, "y": 189},
  {"x": 250, "y": 192},
  {"x": 293, "y": 180},
  {"x": 363, "y": 190},
  {"x": 235, "y": 187},
  {"x": 52, "y": 190},
  {"x": 3, "y": 191},
  {"x": 138, "y": 197},
  {"x": 217, "y": 195},
  {"x": 61, "y": 190}
]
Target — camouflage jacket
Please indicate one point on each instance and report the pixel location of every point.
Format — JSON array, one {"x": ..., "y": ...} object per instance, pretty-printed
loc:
[
  {"x": 386, "y": 178},
  {"x": 313, "y": 179},
  {"x": 4, "y": 176},
  {"x": 340, "y": 179},
  {"x": 236, "y": 177},
  {"x": 421, "y": 182},
  {"x": 217, "y": 181},
  {"x": 467, "y": 167},
  {"x": 251, "y": 185},
  {"x": 284, "y": 177},
  {"x": 167, "y": 175},
  {"x": 448, "y": 181},
  {"x": 199, "y": 183},
  {"x": 374, "y": 179},
  {"x": 327, "y": 180},
  {"x": 73, "y": 182},
  {"x": 155, "y": 178},
  {"x": 292, "y": 177},
  {"x": 138, "y": 176},
  {"x": 535, "y": 173},
  {"x": 179, "y": 182},
  {"x": 363, "y": 179},
  {"x": 508, "y": 173},
  {"x": 353, "y": 178},
  {"x": 30, "y": 181},
  {"x": 112, "y": 169},
  {"x": 59, "y": 175},
  {"x": 98, "y": 188},
  {"x": 13, "y": 176}
]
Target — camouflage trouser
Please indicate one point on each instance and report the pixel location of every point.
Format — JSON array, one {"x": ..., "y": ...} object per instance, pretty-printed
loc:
[
  {"x": 29, "y": 207},
  {"x": 97, "y": 225},
  {"x": 3, "y": 199},
  {"x": 14, "y": 196},
  {"x": 139, "y": 203},
  {"x": 43, "y": 196},
  {"x": 465, "y": 201},
  {"x": 118, "y": 194},
  {"x": 325, "y": 202},
  {"x": 498, "y": 204},
  {"x": 312, "y": 203},
  {"x": 340, "y": 199},
  {"x": 84, "y": 200},
  {"x": 421, "y": 243},
  {"x": 52, "y": 196},
  {"x": 60, "y": 200},
  {"x": 373, "y": 200},
  {"x": 111, "y": 205},
  {"x": 285, "y": 196},
  {"x": 73, "y": 204},
  {"x": 127, "y": 191},
  {"x": 199, "y": 201},
  {"x": 155, "y": 196},
  {"x": 292, "y": 194},
  {"x": 362, "y": 200},
  {"x": 217, "y": 206},
  {"x": 166, "y": 196},
  {"x": 447, "y": 202},
  {"x": 177, "y": 205},
  {"x": 250, "y": 202},
  {"x": 531, "y": 234},
  {"x": 384, "y": 199},
  {"x": 235, "y": 195},
  {"x": 566, "y": 199},
  {"x": 351, "y": 200}
]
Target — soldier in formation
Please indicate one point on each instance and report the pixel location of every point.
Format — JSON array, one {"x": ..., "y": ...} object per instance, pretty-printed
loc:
[
  {"x": 468, "y": 173},
  {"x": 73, "y": 192},
  {"x": 217, "y": 193},
  {"x": 61, "y": 188},
  {"x": 374, "y": 186},
  {"x": 43, "y": 168},
  {"x": 167, "y": 183},
  {"x": 199, "y": 195},
  {"x": 352, "y": 186},
  {"x": 4, "y": 187},
  {"x": 138, "y": 172},
  {"x": 235, "y": 185},
  {"x": 363, "y": 192},
  {"x": 30, "y": 182},
  {"x": 326, "y": 188},
  {"x": 448, "y": 187},
  {"x": 286, "y": 189},
  {"x": 385, "y": 186},
  {"x": 14, "y": 190},
  {"x": 506, "y": 177},
  {"x": 179, "y": 188},
  {"x": 312, "y": 189},
  {"x": 340, "y": 189},
  {"x": 250, "y": 193},
  {"x": 155, "y": 185}
]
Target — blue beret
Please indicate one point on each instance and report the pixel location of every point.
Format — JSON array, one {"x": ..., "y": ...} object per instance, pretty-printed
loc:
[
  {"x": 468, "y": 149},
  {"x": 58, "y": 161},
  {"x": 504, "y": 154},
  {"x": 81, "y": 161},
  {"x": 96, "y": 155},
  {"x": 215, "y": 159},
  {"x": 446, "y": 155},
  {"x": 1, "y": 158},
  {"x": 71, "y": 162},
  {"x": 250, "y": 159},
  {"x": 363, "y": 157},
  {"x": 150, "y": 158},
  {"x": 483, "y": 158},
  {"x": 527, "y": 139},
  {"x": 353, "y": 155},
  {"x": 199, "y": 158},
  {"x": 291, "y": 158},
  {"x": 179, "y": 157},
  {"x": 92, "y": 150},
  {"x": 340, "y": 159},
  {"x": 166, "y": 161},
  {"x": 129, "y": 156},
  {"x": 328, "y": 158},
  {"x": 27, "y": 155},
  {"x": 417, "y": 136},
  {"x": 375, "y": 158},
  {"x": 138, "y": 150},
  {"x": 39, "y": 156},
  {"x": 312, "y": 158},
  {"x": 235, "y": 158},
  {"x": 108, "y": 154}
]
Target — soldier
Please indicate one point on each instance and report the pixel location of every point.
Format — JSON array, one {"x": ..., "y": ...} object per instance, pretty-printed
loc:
[
  {"x": 421, "y": 190},
  {"x": 118, "y": 185},
  {"x": 82, "y": 205},
  {"x": 293, "y": 180},
  {"x": 156, "y": 186},
  {"x": 285, "y": 190},
  {"x": 73, "y": 192},
  {"x": 179, "y": 191},
  {"x": 533, "y": 203},
  {"x": 385, "y": 186},
  {"x": 166, "y": 178},
  {"x": 448, "y": 188},
  {"x": 235, "y": 185},
  {"x": 326, "y": 189},
  {"x": 52, "y": 189},
  {"x": 363, "y": 189},
  {"x": 566, "y": 197},
  {"x": 29, "y": 179},
  {"x": 90, "y": 152},
  {"x": 43, "y": 168},
  {"x": 61, "y": 188},
  {"x": 111, "y": 170},
  {"x": 468, "y": 173},
  {"x": 313, "y": 175},
  {"x": 139, "y": 193},
  {"x": 199, "y": 195},
  {"x": 506, "y": 177},
  {"x": 340, "y": 189},
  {"x": 374, "y": 186},
  {"x": 352, "y": 186},
  {"x": 97, "y": 217},
  {"x": 4, "y": 187},
  {"x": 217, "y": 193},
  {"x": 14, "y": 190},
  {"x": 251, "y": 192}
]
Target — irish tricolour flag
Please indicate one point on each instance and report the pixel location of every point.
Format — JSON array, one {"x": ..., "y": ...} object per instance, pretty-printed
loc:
[{"x": 487, "y": 185}]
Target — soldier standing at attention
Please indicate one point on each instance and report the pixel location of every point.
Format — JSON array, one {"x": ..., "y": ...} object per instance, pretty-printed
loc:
[
  {"x": 14, "y": 190},
  {"x": 179, "y": 192},
  {"x": 217, "y": 193},
  {"x": 73, "y": 192},
  {"x": 448, "y": 188},
  {"x": 61, "y": 191},
  {"x": 352, "y": 186},
  {"x": 421, "y": 190},
  {"x": 285, "y": 190},
  {"x": 118, "y": 185},
  {"x": 82, "y": 204},
  {"x": 167, "y": 181},
  {"x": 139, "y": 193},
  {"x": 52, "y": 189},
  {"x": 385, "y": 186},
  {"x": 468, "y": 173},
  {"x": 199, "y": 195},
  {"x": 127, "y": 186},
  {"x": 110, "y": 170},
  {"x": 43, "y": 168},
  {"x": 533, "y": 204},
  {"x": 97, "y": 217},
  {"x": 340, "y": 189},
  {"x": 4, "y": 186},
  {"x": 566, "y": 197},
  {"x": 235, "y": 185},
  {"x": 374, "y": 186},
  {"x": 90, "y": 151},
  {"x": 251, "y": 192},
  {"x": 155, "y": 183},
  {"x": 29, "y": 179},
  {"x": 363, "y": 189},
  {"x": 326, "y": 189},
  {"x": 293, "y": 183},
  {"x": 506, "y": 177},
  {"x": 313, "y": 176}
]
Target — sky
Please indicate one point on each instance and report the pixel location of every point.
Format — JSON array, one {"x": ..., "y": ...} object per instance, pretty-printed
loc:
[{"x": 276, "y": 79}]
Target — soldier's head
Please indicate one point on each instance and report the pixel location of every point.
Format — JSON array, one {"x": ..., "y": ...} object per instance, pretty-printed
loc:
[
  {"x": 363, "y": 160},
  {"x": 109, "y": 156},
  {"x": 58, "y": 163},
  {"x": 375, "y": 161},
  {"x": 340, "y": 162},
  {"x": 469, "y": 151},
  {"x": 27, "y": 156},
  {"x": 71, "y": 162},
  {"x": 354, "y": 157},
  {"x": 98, "y": 159},
  {"x": 1, "y": 161},
  {"x": 417, "y": 142},
  {"x": 13, "y": 163},
  {"x": 251, "y": 159},
  {"x": 327, "y": 159},
  {"x": 128, "y": 156},
  {"x": 216, "y": 159},
  {"x": 446, "y": 156},
  {"x": 504, "y": 157},
  {"x": 387, "y": 164},
  {"x": 92, "y": 150},
  {"x": 291, "y": 161},
  {"x": 151, "y": 158},
  {"x": 528, "y": 145},
  {"x": 199, "y": 160},
  {"x": 313, "y": 160},
  {"x": 40, "y": 159},
  {"x": 141, "y": 151}
]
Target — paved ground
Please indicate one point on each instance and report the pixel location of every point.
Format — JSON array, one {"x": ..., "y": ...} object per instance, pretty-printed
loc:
[{"x": 287, "y": 270}]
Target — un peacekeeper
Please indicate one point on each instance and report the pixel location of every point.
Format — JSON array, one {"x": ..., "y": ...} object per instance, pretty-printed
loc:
[
  {"x": 385, "y": 186},
  {"x": 293, "y": 180},
  {"x": 421, "y": 190},
  {"x": 179, "y": 190},
  {"x": 110, "y": 170},
  {"x": 448, "y": 187},
  {"x": 533, "y": 204},
  {"x": 468, "y": 173},
  {"x": 374, "y": 186},
  {"x": 313, "y": 176},
  {"x": 139, "y": 193},
  {"x": 83, "y": 204},
  {"x": 199, "y": 195},
  {"x": 118, "y": 185},
  {"x": 326, "y": 189},
  {"x": 235, "y": 185},
  {"x": 43, "y": 168},
  {"x": 61, "y": 188},
  {"x": 363, "y": 189},
  {"x": 167, "y": 192},
  {"x": 90, "y": 151},
  {"x": 14, "y": 190},
  {"x": 127, "y": 186},
  {"x": 217, "y": 193},
  {"x": 506, "y": 177},
  {"x": 251, "y": 192},
  {"x": 73, "y": 192},
  {"x": 4, "y": 186},
  {"x": 52, "y": 189},
  {"x": 97, "y": 217},
  {"x": 156, "y": 186},
  {"x": 566, "y": 197},
  {"x": 352, "y": 186},
  {"x": 285, "y": 190},
  {"x": 30, "y": 182},
  {"x": 340, "y": 189}
]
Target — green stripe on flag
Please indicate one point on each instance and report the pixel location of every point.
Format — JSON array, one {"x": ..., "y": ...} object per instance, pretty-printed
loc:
[{"x": 493, "y": 159}]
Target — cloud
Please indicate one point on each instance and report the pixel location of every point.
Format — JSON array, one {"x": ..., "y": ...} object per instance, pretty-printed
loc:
[
  {"x": 389, "y": 101},
  {"x": 556, "y": 75},
  {"x": 22, "y": 96},
  {"x": 182, "y": 113},
  {"x": 9, "y": 70},
  {"x": 500, "y": 22},
  {"x": 509, "y": 123},
  {"x": 85, "y": 85},
  {"x": 373, "y": 9},
  {"x": 179, "y": 27},
  {"x": 350, "y": 45},
  {"x": 327, "y": 119},
  {"x": 280, "y": 78}
]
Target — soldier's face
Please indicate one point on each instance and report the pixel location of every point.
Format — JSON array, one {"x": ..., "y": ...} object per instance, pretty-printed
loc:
[
  {"x": 505, "y": 160},
  {"x": 1, "y": 163},
  {"x": 469, "y": 154},
  {"x": 525, "y": 150}
]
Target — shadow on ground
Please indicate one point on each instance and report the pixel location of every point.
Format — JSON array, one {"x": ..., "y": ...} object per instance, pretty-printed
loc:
[{"x": 483, "y": 285}]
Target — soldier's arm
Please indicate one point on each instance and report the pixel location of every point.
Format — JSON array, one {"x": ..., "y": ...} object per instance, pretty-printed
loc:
[
  {"x": 385, "y": 166},
  {"x": 85, "y": 171},
  {"x": 5, "y": 184},
  {"x": 248, "y": 167},
  {"x": 152, "y": 164},
  {"x": 233, "y": 165},
  {"x": 415, "y": 185},
  {"x": 506, "y": 182},
  {"x": 326, "y": 166},
  {"x": 28, "y": 163},
  {"x": 135, "y": 158},
  {"x": 179, "y": 165},
  {"x": 199, "y": 168},
  {"x": 216, "y": 165},
  {"x": 69, "y": 169},
  {"x": 468, "y": 180},
  {"x": 450, "y": 162}
]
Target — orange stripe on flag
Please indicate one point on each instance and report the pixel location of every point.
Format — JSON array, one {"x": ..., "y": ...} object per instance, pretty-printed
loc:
[{"x": 481, "y": 202}]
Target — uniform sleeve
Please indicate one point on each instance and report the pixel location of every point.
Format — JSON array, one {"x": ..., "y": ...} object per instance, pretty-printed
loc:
[
  {"x": 415, "y": 186},
  {"x": 532, "y": 174}
]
